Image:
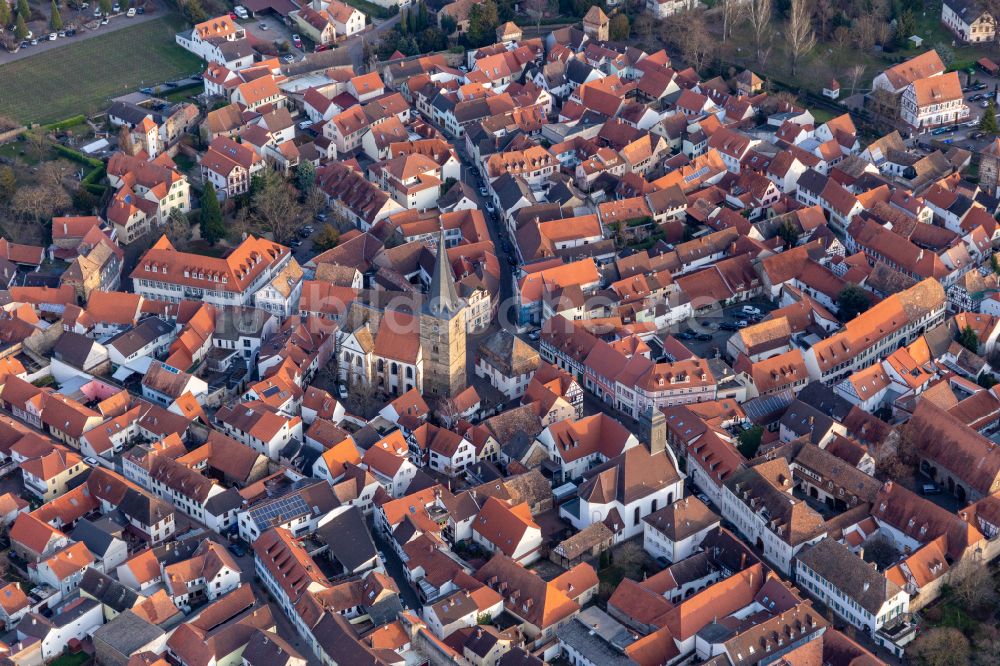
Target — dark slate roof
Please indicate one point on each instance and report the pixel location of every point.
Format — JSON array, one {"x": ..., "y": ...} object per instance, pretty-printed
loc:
[
  {"x": 128, "y": 633},
  {"x": 147, "y": 509},
  {"x": 107, "y": 590},
  {"x": 98, "y": 541},
  {"x": 73, "y": 349},
  {"x": 349, "y": 539}
]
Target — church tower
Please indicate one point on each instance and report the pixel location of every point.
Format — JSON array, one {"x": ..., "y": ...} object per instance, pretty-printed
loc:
[{"x": 442, "y": 331}]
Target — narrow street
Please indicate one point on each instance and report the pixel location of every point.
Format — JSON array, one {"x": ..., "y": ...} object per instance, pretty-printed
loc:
[{"x": 394, "y": 567}]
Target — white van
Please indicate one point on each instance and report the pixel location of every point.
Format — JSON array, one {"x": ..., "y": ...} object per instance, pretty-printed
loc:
[{"x": 241, "y": 11}]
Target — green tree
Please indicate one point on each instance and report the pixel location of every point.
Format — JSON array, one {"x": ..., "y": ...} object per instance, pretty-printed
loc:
[
  {"x": 305, "y": 177},
  {"x": 968, "y": 339},
  {"x": 906, "y": 25},
  {"x": 988, "y": 121},
  {"x": 8, "y": 180},
  {"x": 750, "y": 441},
  {"x": 327, "y": 238},
  {"x": 423, "y": 20},
  {"x": 86, "y": 202},
  {"x": 448, "y": 24},
  {"x": 995, "y": 264},
  {"x": 619, "y": 28},
  {"x": 5, "y": 17},
  {"x": 851, "y": 301},
  {"x": 789, "y": 233},
  {"x": 55, "y": 20},
  {"x": 21, "y": 29},
  {"x": 106, "y": 7},
  {"x": 212, "y": 228},
  {"x": 483, "y": 22},
  {"x": 23, "y": 9}
]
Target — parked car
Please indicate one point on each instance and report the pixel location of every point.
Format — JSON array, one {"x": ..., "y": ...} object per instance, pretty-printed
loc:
[
  {"x": 321, "y": 47},
  {"x": 930, "y": 489},
  {"x": 321, "y": 217},
  {"x": 729, "y": 326},
  {"x": 985, "y": 103},
  {"x": 534, "y": 336},
  {"x": 141, "y": 10},
  {"x": 940, "y": 130},
  {"x": 295, "y": 242},
  {"x": 703, "y": 337},
  {"x": 62, "y": 33},
  {"x": 241, "y": 11},
  {"x": 262, "y": 25},
  {"x": 233, "y": 15},
  {"x": 52, "y": 36},
  {"x": 685, "y": 335},
  {"x": 297, "y": 41},
  {"x": 341, "y": 392},
  {"x": 289, "y": 58},
  {"x": 116, "y": 8},
  {"x": 237, "y": 549},
  {"x": 489, "y": 206},
  {"x": 97, "y": 11},
  {"x": 131, "y": 12},
  {"x": 105, "y": 21},
  {"x": 305, "y": 124},
  {"x": 483, "y": 191},
  {"x": 750, "y": 310},
  {"x": 741, "y": 323}
]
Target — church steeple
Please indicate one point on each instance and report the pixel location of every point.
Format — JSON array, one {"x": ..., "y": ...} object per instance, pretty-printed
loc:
[{"x": 442, "y": 297}]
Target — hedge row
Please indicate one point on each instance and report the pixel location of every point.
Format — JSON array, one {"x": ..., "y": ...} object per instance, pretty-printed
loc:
[
  {"x": 77, "y": 156},
  {"x": 63, "y": 124}
]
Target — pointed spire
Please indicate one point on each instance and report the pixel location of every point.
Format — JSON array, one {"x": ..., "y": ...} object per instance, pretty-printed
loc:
[{"x": 442, "y": 297}]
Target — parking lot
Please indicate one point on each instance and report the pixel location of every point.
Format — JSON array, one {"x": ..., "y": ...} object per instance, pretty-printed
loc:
[
  {"x": 273, "y": 30},
  {"x": 707, "y": 335}
]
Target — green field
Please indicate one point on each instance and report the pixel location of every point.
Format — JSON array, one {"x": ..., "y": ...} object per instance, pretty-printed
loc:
[{"x": 82, "y": 77}]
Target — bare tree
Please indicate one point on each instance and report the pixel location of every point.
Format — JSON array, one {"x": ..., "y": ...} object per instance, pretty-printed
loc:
[
  {"x": 38, "y": 141},
  {"x": 842, "y": 36},
  {"x": 884, "y": 104},
  {"x": 731, "y": 10},
  {"x": 824, "y": 12},
  {"x": 864, "y": 31},
  {"x": 39, "y": 202},
  {"x": 759, "y": 16},
  {"x": 696, "y": 43},
  {"x": 799, "y": 33},
  {"x": 538, "y": 8},
  {"x": 854, "y": 74},
  {"x": 972, "y": 584},
  {"x": 643, "y": 25},
  {"x": 178, "y": 228},
  {"x": 276, "y": 206},
  {"x": 125, "y": 143},
  {"x": 940, "y": 646}
]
